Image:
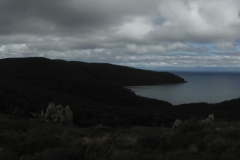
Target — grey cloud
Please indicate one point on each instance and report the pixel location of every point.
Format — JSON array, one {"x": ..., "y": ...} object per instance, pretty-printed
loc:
[
  {"x": 198, "y": 21},
  {"x": 153, "y": 32},
  {"x": 183, "y": 61},
  {"x": 225, "y": 46},
  {"x": 49, "y": 16}
]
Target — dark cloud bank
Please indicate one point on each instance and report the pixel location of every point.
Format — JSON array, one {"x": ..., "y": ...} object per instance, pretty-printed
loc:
[{"x": 137, "y": 33}]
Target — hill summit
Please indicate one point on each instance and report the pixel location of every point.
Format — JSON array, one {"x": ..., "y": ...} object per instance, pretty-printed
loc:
[
  {"x": 81, "y": 71},
  {"x": 78, "y": 80}
]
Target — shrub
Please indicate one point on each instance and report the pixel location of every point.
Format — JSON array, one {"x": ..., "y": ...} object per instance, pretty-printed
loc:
[
  {"x": 231, "y": 133},
  {"x": 191, "y": 127},
  {"x": 219, "y": 146},
  {"x": 154, "y": 140}
]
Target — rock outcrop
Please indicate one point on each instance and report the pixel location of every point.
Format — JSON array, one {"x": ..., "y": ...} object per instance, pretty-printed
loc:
[
  {"x": 176, "y": 124},
  {"x": 208, "y": 120},
  {"x": 68, "y": 114},
  {"x": 58, "y": 114},
  {"x": 50, "y": 111},
  {"x": 42, "y": 116}
]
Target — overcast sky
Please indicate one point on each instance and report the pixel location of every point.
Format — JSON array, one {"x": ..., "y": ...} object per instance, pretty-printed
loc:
[{"x": 139, "y": 33}]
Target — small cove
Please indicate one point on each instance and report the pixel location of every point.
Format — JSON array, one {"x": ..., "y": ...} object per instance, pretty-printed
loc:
[{"x": 210, "y": 87}]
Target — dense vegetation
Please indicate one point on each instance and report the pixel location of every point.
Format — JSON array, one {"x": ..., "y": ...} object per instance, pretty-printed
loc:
[
  {"x": 96, "y": 95},
  {"x": 29, "y": 84},
  {"x": 72, "y": 72},
  {"x": 44, "y": 80},
  {"x": 38, "y": 140}
]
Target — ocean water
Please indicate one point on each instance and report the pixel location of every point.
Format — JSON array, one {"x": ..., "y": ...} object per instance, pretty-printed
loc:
[{"x": 210, "y": 87}]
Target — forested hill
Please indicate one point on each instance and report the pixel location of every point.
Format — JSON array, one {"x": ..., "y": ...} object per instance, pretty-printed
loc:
[
  {"x": 95, "y": 93},
  {"x": 126, "y": 76},
  {"x": 38, "y": 81},
  {"x": 91, "y": 72}
]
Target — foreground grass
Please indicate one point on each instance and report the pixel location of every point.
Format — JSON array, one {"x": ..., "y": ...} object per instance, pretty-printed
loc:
[{"x": 36, "y": 140}]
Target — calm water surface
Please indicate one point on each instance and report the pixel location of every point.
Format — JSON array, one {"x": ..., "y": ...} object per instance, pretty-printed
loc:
[{"x": 210, "y": 87}]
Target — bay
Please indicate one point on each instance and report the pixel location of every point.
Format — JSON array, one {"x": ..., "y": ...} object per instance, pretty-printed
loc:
[{"x": 210, "y": 87}]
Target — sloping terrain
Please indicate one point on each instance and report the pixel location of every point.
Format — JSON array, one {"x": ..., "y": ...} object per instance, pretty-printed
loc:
[
  {"x": 95, "y": 93},
  {"x": 93, "y": 90},
  {"x": 96, "y": 96},
  {"x": 42, "y": 68},
  {"x": 95, "y": 82}
]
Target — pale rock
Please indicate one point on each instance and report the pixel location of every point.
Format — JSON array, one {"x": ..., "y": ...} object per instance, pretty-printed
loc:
[
  {"x": 60, "y": 119},
  {"x": 100, "y": 126},
  {"x": 50, "y": 110},
  {"x": 68, "y": 114},
  {"x": 176, "y": 124},
  {"x": 42, "y": 116},
  {"x": 211, "y": 118},
  {"x": 59, "y": 107},
  {"x": 208, "y": 120},
  {"x": 58, "y": 114}
]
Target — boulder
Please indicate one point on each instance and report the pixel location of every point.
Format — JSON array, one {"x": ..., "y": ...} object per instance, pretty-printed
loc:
[
  {"x": 58, "y": 114},
  {"x": 42, "y": 116},
  {"x": 208, "y": 120},
  {"x": 59, "y": 107},
  {"x": 50, "y": 110},
  {"x": 68, "y": 114},
  {"x": 60, "y": 119},
  {"x": 176, "y": 124}
]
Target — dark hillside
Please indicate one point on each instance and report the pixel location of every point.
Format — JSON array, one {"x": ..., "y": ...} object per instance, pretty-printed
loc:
[
  {"x": 126, "y": 76},
  {"x": 95, "y": 93},
  {"x": 93, "y": 90},
  {"x": 96, "y": 82},
  {"x": 31, "y": 82},
  {"x": 228, "y": 110},
  {"x": 93, "y": 72}
]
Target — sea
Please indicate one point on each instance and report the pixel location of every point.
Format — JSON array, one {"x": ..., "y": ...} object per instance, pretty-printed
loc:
[{"x": 209, "y": 87}]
